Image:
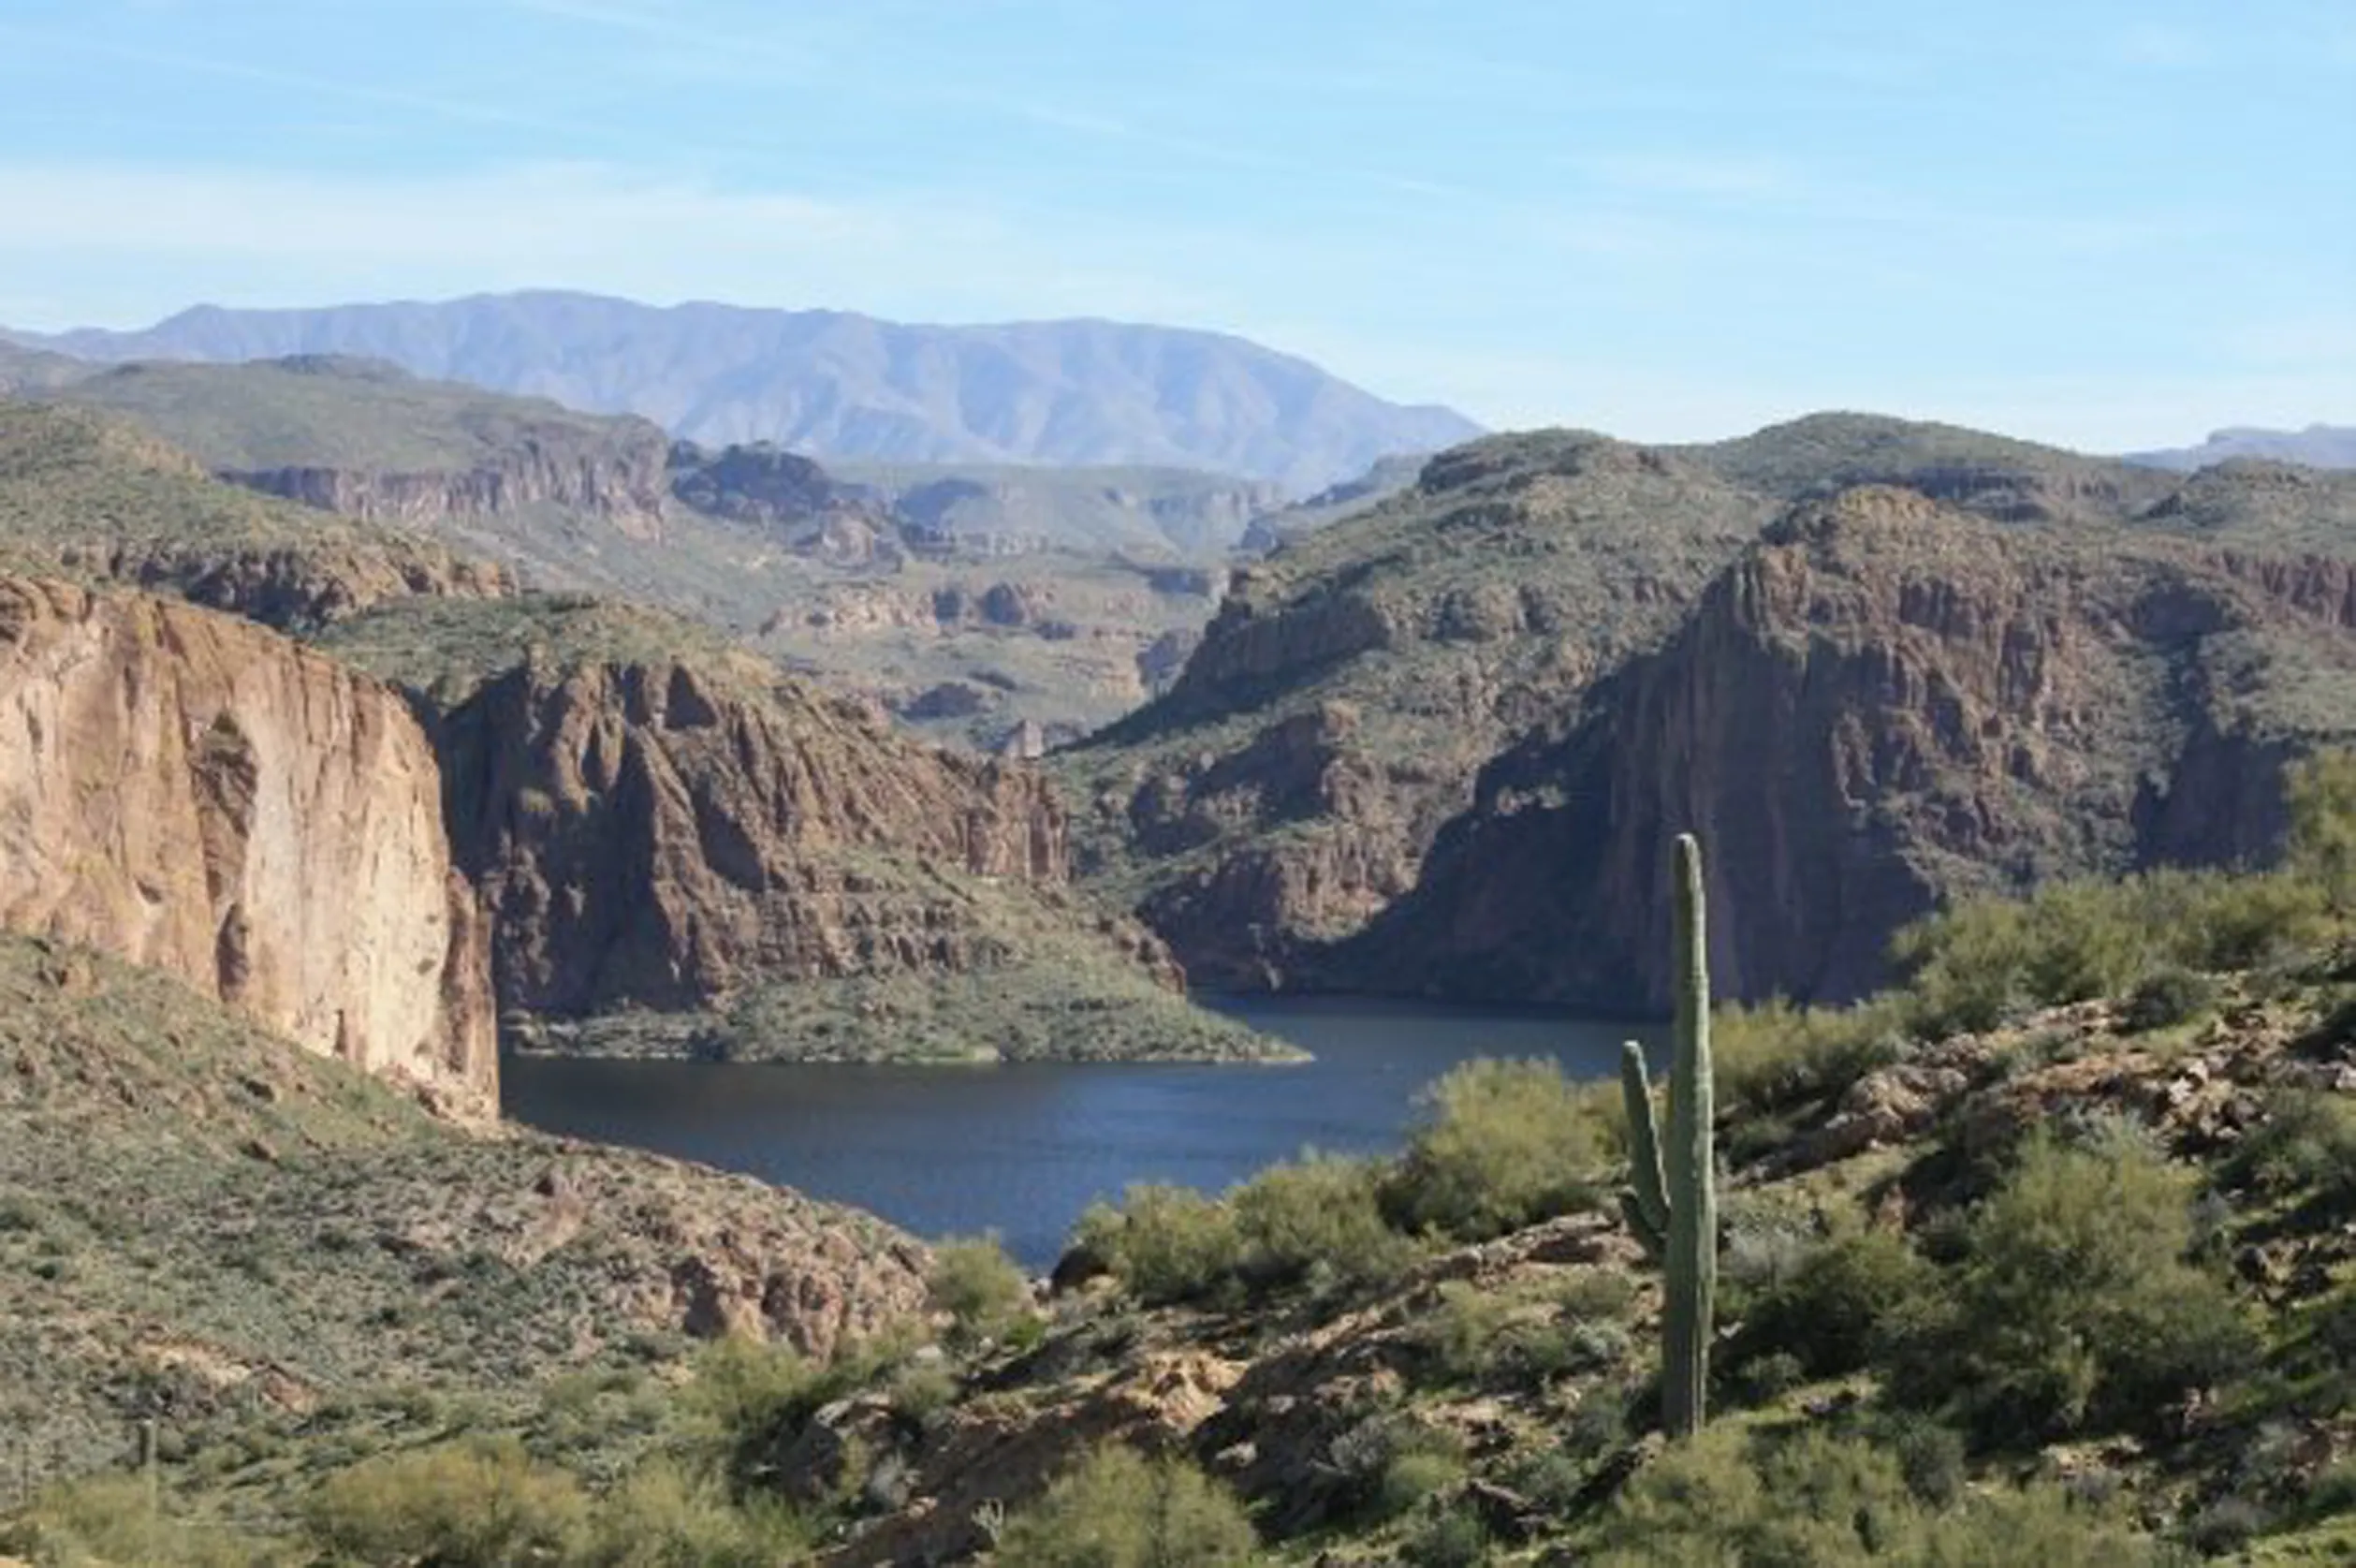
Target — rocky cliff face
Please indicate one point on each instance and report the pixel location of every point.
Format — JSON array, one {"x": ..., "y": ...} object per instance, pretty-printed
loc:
[
  {"x": 202, "y": 797},
  {"x": 624, "y": 482},
  {"x": 1283, "y": 790},
  {"x": 1487, "y": 614},
  {"x": 1882, "y": 704},
  {"x": 646, "y": 834}
]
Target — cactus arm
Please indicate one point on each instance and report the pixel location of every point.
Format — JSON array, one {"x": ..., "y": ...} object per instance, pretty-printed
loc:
[
  {"x": 1646, "y": 1201},
  {"x": 1692, "y": 1263}
]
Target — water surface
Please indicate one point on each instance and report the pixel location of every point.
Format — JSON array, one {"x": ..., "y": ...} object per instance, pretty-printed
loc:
[{"x": 1023, "y": 1149}]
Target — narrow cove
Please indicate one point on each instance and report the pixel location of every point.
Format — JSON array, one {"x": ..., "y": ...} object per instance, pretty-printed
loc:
[{"x": 1022, "y": 1150}]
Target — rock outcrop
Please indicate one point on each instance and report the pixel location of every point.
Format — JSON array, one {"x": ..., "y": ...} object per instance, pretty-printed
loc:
[
  {"x": 647, "y": 834},
  {"x": 1284, "y": 788},
  {"x": 290, "y": 588},
  {"x": 684, "y": 851},
  {"x": 1500, "y": 614},
  {"x": 1882, "y": 704},
  {"x": 622, "y": 484},
  {"x": 201, "y": 795}
]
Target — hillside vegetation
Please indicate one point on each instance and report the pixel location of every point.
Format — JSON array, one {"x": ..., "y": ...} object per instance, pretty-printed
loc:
[
  {"x": 2039, "y": 1257},
  {"x": 331, "y": 412},
  {"x": 90, "y": 497}
]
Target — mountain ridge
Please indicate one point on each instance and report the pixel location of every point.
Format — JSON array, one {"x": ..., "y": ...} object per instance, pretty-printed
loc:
[{"x": 842, "y": 384}]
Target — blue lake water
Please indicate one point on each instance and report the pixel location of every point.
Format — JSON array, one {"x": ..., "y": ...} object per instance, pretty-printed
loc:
[{"x": 1022, "y": 1150}]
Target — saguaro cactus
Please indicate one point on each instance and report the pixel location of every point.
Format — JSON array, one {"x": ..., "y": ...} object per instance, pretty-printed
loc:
[{"x": 1671, "y": 1201}]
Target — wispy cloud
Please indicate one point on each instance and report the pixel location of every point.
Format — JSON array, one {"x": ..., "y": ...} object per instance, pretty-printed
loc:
[
  {"x": 1745, "y": 175},
  {"x": 2164, "y": 47},
  {"x": 468, "y": 111},
  {"x": 244, "y": 236}
]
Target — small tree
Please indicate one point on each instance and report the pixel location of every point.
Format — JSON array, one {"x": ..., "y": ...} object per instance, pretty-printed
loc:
[
  {"x": 1118, "y": 1509},
  {"x": 2321, "y": 792},
  {"x": 979, "y": 1286}
]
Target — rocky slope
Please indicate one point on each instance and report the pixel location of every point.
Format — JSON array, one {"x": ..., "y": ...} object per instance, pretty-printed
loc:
[
  {"x": 199, "y": 795},
  {"x": 1386, "y": 478},
  {"x": 1883, "y": 704},
  {"x": 1282, "y": 794},
  {"x": 206, "y": 1225},
  {"x": 1506, "y": 1386},
  {"x": 839, "y": 384},
  {"x": 87, "y": 496},
  {"x": 365, "y": 439},
  {"x": 662, "y": 826},
  {"x": 1284, "y": 788}
]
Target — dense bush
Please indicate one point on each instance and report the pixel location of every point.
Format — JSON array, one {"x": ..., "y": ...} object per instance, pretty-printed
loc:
[
  {"x": 979, "y": 1286},
  {"x": 2321, "y": 794},
  {"x": 1166, "y": 1243},
  {"x": 2073, "y": 1306},
  {"x": 2166, "y": 998},
  {"x": 1976, "y": 965},
  {"x": 1833, "y": 1308},
  {"x": 458, "y": 1505},
  {"x": 1501, "y": 1145},
  {"x": 662, "y": 1518},
  {"x": 1512, "y": 1337},
  {"x": 2306, "y": 1144},
  {"x": 1317, "y": 1219},
  {"x": 1118, "y": 1509},
  {"x": 749, "y": 1398},
  {"x": 1816, "y": 1501},
  {"x": 1775, "y": 1056},
  {"x": 108, "y": 1519}
]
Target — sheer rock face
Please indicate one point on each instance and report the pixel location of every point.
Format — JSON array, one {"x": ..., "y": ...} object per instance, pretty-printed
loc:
[
  {"x": 199, "y": 795},
  {"x": 650, "y": 834},
  {"x": 1881, "y": 704},
  {"x": 623, "y": 481}
]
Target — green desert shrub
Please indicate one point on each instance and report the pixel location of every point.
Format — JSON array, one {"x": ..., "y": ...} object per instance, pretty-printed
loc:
[
  {"x": 1316, "y": 1219},
  {"x": 664, "y": 1517},
  {"x": 747, "y": 1397},
  {"x": 2305, "y": 1145},
  {"x": 1975, "y": 966},
  {"x": 1453, "y": 1537},
  {"x": 1166, "y": 1243},
  {"x": 2073, "y": 1306},
  {"x": 979, "y": 1286},
  {"x": 1120, "y": 1509},
  {"x": 1501, "y": 1145},
  {"x": 1815, "y": 1500},
  {"x": 1724, "y": 1497},
  {"x": 105, "y": 1520},
  {"x": 2321, "y": 791},
  {"x": 479, "y": 1504},
  {"x": 2006, "y": 1527},
  {"x": 1775, "y": 1056},
  {"x": 2166, "y": 998},
  {"x": 1833, "y": 1307},
  {"x": 2212, "y": 921}
]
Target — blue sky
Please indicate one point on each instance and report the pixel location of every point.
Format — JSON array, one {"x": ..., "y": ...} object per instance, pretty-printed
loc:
[{"x": 2107, "y": 224}]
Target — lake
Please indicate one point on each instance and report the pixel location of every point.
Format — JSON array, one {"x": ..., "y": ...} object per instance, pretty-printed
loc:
[{"x": 1023, "y": 1149}]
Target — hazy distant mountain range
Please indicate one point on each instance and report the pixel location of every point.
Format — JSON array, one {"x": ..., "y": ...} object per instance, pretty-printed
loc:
[
  {"x": 2318, "y": 447},
  {"x": 835, "y": 385}
]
